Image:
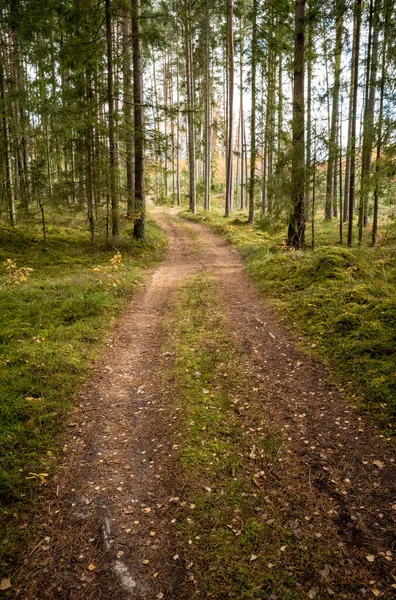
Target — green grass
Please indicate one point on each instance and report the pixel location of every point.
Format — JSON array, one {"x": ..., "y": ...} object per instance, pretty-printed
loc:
[
  {"x": 237, "y": 536},
  {"x": 340, "y": 299},
  {"x": 52, "y": 327}
]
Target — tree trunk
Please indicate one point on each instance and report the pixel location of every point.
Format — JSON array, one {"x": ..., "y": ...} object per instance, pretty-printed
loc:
[
  {"x": 9, "y": 187},
  {"x": 309, "y": 126},
  {"x": 241, "y": 171},
  {"x": 352, "y": 175},
  {"x": 332, "y": 158},
  {"x": 112, "y": 147},
  {"x": 127, "y": 101},
  {"x": 139, "y": 230},
  {"x": 253, "y": 150},
  {"x": 385, "y": 42},
  {"x": 296, "y": 230},
  {"x": 368, "y": 125},
  {"x": 190, "y": 111},
  {"x": 230, "y": 145},
  {"x": 207, "y": 114}
]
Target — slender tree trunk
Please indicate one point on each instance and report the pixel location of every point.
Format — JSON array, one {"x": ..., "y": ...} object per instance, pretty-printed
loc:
[
  {"x": 253, "y": 149},
  {"x": 190, "y": 111},
  {"x": 230, "y": 144},
  {"x": 178, "y": 194},
  {"x": 296, "y": 231},
  {"x": 166, "y": 149},
  {"x": 9, "y": 187},
  {"x": 112, "y": 146},
  {"x": 377, "y": 175},
  {"x": 241, "y": 172},
  {"x": 208, "y": 134},
  {"x": 127, "y": 101},
  {"x": 309, "y": 124},
  {"x": 352, "y": 176},
  {"x": 332, "y": 158},
  {"x": 368, "y": 125},
  {"x": 139, "y": 231}
]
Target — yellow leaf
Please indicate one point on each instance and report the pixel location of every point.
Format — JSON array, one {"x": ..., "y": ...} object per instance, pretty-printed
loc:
[
  {"x": 378, "y": 464},
  {"x": 91, "y": 567},
  {"x": 5, "y": 584}
]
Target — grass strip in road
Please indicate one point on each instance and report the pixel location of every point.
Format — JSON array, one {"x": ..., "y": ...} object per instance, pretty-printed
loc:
[
  {"x": 52, "y": 327},
  {"x": 245, "y": 523},
  {"x": 341, "y": 302}
]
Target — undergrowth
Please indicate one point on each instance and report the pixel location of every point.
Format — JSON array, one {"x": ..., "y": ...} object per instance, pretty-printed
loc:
[
  {"x": 340, "y": 300},
  {"x": 53, "y": 325}
]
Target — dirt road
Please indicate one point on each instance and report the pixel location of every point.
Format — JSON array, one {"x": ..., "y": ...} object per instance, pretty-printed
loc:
[{"x": 107, "y": 527}]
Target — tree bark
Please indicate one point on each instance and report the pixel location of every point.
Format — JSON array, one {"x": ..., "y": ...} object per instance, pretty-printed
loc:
[
  {"x": 230, "y": 145},
  {"x": 253, "y": 149},
  {"x": 127, "y": 101},
  {"x": 190, "y": 111},
  {"x": 332, "y": 157},
  {"x": 352, "y": 175},
  {"x": 296, "y": 230},
  {"x": 139, "y": 230},
  {"x": 207, "y": 113},
  {"x": 112, "y": 146}
]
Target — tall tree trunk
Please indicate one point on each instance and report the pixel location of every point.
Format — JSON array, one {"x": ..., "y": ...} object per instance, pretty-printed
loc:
[
  {"x": 178, "y": 193},
  {"x": 296, "y": 230},
  {"x": 139, "y": 230},
  {"x": 9, "y": 186},
  {"x": 190, "y": 111},
  {"x": 368, "y": 125},
  {"x": 165, "y": 86},
  {"x": 309, "y": 126},
  {"x": 127, "y": 102},
  {"x": 332, "y": 158},
  {"x": 230, "y": 145},
  {"x": 112, "y": 146},
  {"x": 208, "y": 135},
  {"x": 242, "y": 120},
  {"x": 352, "y": 175},
  {"x": 385, "y": 42},
  {"x": 253, "y": 150}
]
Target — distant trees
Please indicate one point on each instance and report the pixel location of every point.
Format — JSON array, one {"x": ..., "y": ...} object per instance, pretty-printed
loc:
[{"x": 79, "y": 133}]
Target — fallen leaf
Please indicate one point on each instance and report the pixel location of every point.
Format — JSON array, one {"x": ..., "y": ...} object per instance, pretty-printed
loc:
[
  {"x": 376, "y": 592},
  {"x": 378, "y": 464},
  {"x": 253, "y": 557},
  {"x": 147, "y": 510},
  {"x": 207, "y": 489},
  {"x": 91, "y": 567},
  {"x": 155, "y": 574},
  {"x": 312, "y": 593},
  {"x": 146, "y": 562},
  {"x": 5, "y": 584},
  {"x": 370, "y": 557},
  {"x": 160, "y": 595},
  {"x": 176, "y": 557},
  {"x": 120, "y": 553}
]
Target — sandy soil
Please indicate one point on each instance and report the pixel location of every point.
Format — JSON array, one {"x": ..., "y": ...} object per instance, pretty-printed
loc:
[{"x": 107, "y": 529}]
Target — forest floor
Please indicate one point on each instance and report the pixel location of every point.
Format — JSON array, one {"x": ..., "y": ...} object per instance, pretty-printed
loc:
[{"x": 210, "y": 457}]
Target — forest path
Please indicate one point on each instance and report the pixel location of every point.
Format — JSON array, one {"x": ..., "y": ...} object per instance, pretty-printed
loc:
[{"x": 107, "y": 531}]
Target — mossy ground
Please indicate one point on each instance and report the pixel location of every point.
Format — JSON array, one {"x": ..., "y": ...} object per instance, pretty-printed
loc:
[
  {"x": 339, "y": 299},
  {"x": 52, "y": 328}
]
